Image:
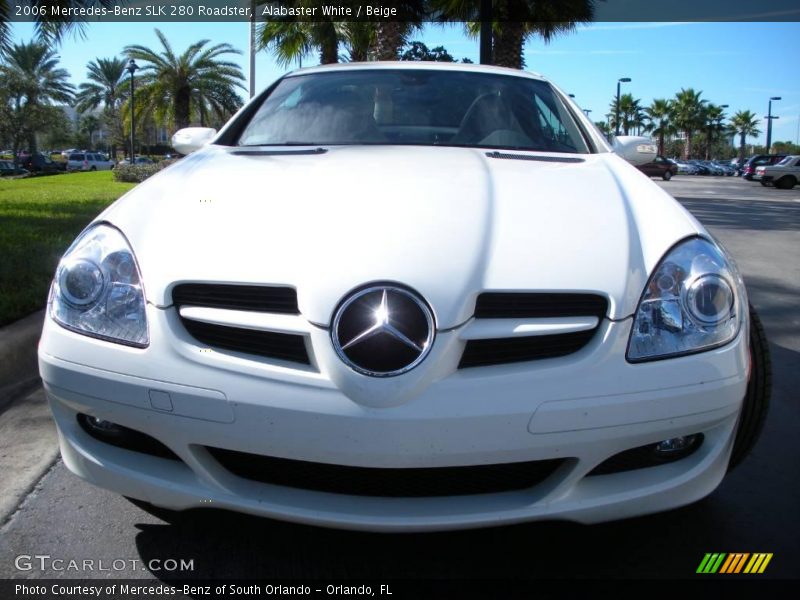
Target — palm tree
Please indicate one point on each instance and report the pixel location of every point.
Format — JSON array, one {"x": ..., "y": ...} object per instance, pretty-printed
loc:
[
  {"x": 714, "y": 116},
  {"x": 745, "y": 124},
  {"x": 687, "y": 114},
  {"x": 659, "y": 113},
  {"x": 290, "y": 40},
  {"x": 631, "y": 114},
  {"x": 37, "y": 78},
  {"x": 173, "y": 87},
  {"x": 359, "y": 37},
  {"x": 88, "y": 125},
  {"x": 515, "y": 21},
  {"x": 105, "y": 85},
  {"x": 48, "y": 30}
]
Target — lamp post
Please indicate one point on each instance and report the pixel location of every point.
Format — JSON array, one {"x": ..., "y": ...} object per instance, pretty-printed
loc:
[
  {"x": 131, "y": 68},
  {"x": 587, "y": 111},
  {"x": 616, "y": 107},
  {"x": 769, "y": 122},
  {"x": 486, "y": 17}
]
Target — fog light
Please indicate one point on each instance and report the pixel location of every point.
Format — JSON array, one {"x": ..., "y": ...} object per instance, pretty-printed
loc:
[
  {"x": 675, "y": 445},
  {"x": 101, "y": 426}
]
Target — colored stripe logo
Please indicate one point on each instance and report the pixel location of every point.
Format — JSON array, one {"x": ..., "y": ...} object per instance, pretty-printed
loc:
[{"x": 734, "y": 562}]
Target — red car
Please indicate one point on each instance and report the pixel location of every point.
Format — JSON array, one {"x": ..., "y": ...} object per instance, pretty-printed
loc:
[{"x": 660, "y": 167}]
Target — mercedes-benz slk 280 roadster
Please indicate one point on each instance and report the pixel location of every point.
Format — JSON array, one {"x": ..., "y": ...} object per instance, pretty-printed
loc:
[{"x": 404, "y": 297}]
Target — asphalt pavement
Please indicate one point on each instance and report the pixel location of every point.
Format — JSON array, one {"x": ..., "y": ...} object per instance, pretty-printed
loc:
[{"x": 754, "y": 510}]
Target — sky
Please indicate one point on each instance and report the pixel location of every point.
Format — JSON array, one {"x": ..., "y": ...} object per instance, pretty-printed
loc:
[{"x": 741, "y": 64}]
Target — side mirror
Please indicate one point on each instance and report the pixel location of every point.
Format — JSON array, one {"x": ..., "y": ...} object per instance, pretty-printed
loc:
[
  {"x": 189, "y": 139},
  {"x": 636, "y": 150}
]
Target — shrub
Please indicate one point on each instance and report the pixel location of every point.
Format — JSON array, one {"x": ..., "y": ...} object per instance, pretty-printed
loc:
[{"x": 138, "y": 173}]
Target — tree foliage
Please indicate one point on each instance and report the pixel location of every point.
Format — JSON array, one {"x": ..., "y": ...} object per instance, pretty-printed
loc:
[{"x": 198, "y": 83}]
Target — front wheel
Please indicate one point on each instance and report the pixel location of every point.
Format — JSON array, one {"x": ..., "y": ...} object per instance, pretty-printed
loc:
[
  {"x": 785, "y": 183},
  {"x": 764, "y": 183},
  {"x": 756, "y": 398},
  {"x": 667, "y": 175}
]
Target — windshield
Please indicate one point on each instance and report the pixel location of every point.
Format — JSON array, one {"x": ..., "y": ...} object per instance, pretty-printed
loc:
[{"x": 419, "y": 107}]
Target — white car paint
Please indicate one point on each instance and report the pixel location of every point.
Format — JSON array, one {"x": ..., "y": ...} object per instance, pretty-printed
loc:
[{"x": 449, "y": 223}]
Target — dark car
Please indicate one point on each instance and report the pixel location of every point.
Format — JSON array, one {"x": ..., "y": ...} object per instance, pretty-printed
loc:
[
  {"x": 759, "y": 160},
  {"x": 39, "y": 163},
  {"x": 660, "y": 167},
  {"x": 7, "y": 168}
]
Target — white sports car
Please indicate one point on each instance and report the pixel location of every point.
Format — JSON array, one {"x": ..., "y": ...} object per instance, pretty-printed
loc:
[{"x": 404, "y": 297}]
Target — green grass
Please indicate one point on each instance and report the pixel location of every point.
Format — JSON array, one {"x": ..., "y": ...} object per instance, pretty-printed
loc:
[{"x": 39, "y": 219}]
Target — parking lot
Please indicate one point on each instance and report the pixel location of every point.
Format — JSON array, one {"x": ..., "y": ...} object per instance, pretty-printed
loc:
[{"x": 754, "y": 510}]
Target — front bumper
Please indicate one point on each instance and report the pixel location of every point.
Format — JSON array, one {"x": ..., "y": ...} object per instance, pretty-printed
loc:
[{"x": 584, "y": 408}]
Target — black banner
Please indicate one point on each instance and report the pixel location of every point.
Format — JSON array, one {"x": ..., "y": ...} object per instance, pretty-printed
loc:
[{"x": 157, "y": 11}]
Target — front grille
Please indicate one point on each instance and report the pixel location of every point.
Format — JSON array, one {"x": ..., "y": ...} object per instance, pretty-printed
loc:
[
  {"x": 254, "y": 298},
  {"x": 525, "y": 305},
  {"x": 366, "y": 481},
  {"x": 268, "y": 299},
  {"x": 510, "y": 305},
  {"x": 283, "y": 346},
  {"x": 481, "y": 353}
]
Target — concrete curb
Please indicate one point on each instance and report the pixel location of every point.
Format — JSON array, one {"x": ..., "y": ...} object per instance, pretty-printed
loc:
[
  {"x": 28, "y": 448},
  {"x": 19, "y": 368}
]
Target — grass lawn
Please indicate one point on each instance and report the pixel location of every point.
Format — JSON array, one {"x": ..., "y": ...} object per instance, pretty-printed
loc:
[{"x": 39, "y": 219}]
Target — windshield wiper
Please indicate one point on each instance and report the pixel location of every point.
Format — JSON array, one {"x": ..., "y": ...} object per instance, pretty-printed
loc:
[{"x": 277, "y": 151}]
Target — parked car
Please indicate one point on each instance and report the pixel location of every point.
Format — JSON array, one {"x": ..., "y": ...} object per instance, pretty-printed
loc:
[
  {"x": 39, "y": 163},
  {"x": 88, "y": 161},
  {"x": 783, "y": 175},
  {"x": 139, "y": 160},
  {"x": 749, "y": 169},
  {"x": 7, "y": 168},
  {"x": 468, "y": 312},
  {"x": 660, "y": 167},
  {"x": 702, "y": 169},
  {"x": 685, "y": 168}
]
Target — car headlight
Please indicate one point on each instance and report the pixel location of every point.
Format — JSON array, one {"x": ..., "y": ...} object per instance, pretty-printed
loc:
[
  {"x": 97, "y": 290},
  {"x": 693, "y": 302}
]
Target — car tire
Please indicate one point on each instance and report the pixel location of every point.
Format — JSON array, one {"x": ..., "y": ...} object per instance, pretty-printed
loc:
[
  {"x": 756, "y": 399},
  {"x": 667, "y": 175},
  {"x": 764, "y": 183},
  {"x": 93, "y": 169},
  {"x": 785, "y": 183}
]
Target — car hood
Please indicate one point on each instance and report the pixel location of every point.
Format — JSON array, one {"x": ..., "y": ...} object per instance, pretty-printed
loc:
[{"x": 448, "y": 222}]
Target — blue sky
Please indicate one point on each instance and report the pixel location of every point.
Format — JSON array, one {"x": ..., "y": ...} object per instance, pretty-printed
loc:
[{"x": 739, "y": 64}]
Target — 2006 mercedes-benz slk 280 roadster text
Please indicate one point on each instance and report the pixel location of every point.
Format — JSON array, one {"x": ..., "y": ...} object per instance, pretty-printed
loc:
[{"x": 404, "y": 297}]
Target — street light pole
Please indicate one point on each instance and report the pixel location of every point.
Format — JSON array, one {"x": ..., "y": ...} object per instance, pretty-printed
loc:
[
  {"x": 769, "y": 122},
  {"x": 616, "y": 108},
  {"x": 486, "y": 15},
  {"x": 587, "y": 111},
  {"x": 131, "y": 68}
]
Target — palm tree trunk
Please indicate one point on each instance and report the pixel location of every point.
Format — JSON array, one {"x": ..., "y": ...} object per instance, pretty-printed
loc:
[
  {"x": 182, "y": 111},
  {"x": 687, "y": 147},
  {"x": 389, "y": 39},
  {"x": 508, "y": 43},
  {"x": 329, "y": 45},
  {"x": 708, "y": 144},
  {"x": 741, "y": 146}
]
